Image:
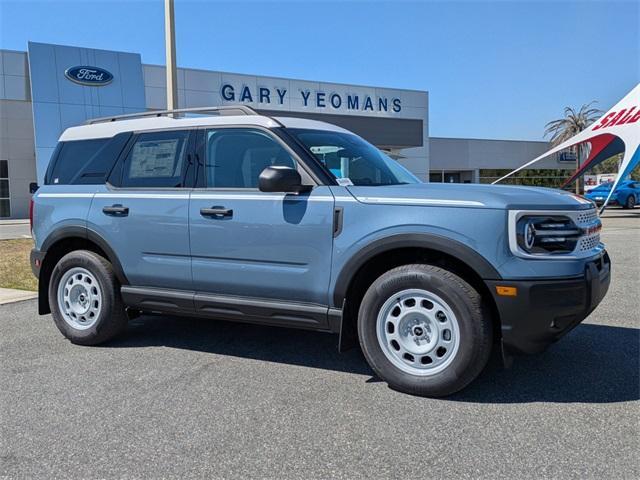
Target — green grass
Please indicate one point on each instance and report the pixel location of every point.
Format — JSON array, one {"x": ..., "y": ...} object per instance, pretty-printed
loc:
[{"x": 15, "y": 271}]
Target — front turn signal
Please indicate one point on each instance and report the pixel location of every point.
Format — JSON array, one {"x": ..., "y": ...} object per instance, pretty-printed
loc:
[{"x": 504, "y": 291}]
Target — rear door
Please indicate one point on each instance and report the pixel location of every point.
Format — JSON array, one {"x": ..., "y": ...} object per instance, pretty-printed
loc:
[
  {"x": 142, "y": 212},
  {"x": 272, "y": 246}
]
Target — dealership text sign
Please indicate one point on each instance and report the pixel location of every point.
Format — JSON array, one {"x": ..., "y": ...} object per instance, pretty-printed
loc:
[{"x": 351, "y": 101}]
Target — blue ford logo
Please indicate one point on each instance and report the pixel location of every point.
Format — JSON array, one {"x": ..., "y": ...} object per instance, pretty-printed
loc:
[{"x": 84, "y": 75}]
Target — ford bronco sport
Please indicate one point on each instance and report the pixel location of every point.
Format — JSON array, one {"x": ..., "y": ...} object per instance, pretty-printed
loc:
[{"x": 298, "y": 223}]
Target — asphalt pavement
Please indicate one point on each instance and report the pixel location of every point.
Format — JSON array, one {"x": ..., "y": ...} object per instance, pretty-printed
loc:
[{"x": 184, "y": 398}]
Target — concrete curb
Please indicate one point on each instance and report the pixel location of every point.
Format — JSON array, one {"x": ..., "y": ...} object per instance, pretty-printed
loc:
[
  {"x": 11, "y": 295},
  {"x": 15, "y": 221}
]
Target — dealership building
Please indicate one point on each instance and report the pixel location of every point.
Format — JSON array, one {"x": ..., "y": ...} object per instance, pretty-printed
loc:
[{"x": 51, "y": 87}]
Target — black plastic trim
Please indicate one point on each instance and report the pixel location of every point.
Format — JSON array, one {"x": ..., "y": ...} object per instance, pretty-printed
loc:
[
  {"x": 157, "y": 299},
  {"x": 77, "y": 231},
  {"x": 36, "y": 255},
  {"x": 411, "y": 240},
  {"x": 227, "y": 307},
  {"x": 545, "y": 310}
]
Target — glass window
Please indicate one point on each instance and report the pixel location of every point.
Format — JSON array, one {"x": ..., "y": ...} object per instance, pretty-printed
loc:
[
  {"x": 351, "y": 158},
  {"x": 74, "y": 156},
  {"x": 4, "y": 188},
  {"x": 156, "y": 160},
  {"x": 236, "y": 157},
  {"x": 5, "y": 209}
]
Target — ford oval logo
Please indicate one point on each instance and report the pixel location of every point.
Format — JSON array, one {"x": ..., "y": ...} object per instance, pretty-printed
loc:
[{"x": 84, "y": 75}]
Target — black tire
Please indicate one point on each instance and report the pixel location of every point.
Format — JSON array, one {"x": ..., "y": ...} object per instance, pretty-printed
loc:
[
  {"x": 475, "y": 329},
  {"x": 630, "y": 203},
  {"x": 112, "y": 318}
]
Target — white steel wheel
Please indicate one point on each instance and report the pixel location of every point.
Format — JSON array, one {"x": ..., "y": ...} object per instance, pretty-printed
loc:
[
  {"x": 418, "y": 332},
  {"x": 80, "y": 298}
]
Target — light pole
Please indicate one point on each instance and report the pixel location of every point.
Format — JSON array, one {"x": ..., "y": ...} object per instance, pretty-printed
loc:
[{"x": 170, "y": 48}]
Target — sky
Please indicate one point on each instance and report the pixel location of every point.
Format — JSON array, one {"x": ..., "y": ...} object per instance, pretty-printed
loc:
[{"x": 499, "y": 69}]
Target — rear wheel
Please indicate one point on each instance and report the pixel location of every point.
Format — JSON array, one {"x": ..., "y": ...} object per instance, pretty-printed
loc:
[
  {"x": 85, "y": 299},
  {"x": 423, "y": 330},
  {"x": 631, "y": 202}
]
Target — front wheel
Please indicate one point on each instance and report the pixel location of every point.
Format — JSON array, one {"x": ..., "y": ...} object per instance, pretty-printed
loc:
[
  {"x": 84, "y": 296},
  {"x": 631, "y": 202},
  {"x": 424, "y": 331}
]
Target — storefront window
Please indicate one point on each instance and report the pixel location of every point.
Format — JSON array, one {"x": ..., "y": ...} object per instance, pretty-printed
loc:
[
  {"x": 553, "y": 178},
  {"x": 5, "y": 208}
]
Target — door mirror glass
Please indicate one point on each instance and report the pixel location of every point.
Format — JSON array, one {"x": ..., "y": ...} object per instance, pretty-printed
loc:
[{"x": 281, "y": 179}]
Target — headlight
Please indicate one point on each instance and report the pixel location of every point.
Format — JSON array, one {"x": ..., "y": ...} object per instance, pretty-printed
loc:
[{"x": 547, "y": 234}]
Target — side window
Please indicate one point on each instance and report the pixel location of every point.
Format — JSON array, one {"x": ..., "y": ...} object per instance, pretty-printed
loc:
[
  {"x": 157, "y": 159},
  {"x": 73, "y": 157},
  {"x": 235, "y": 157}
]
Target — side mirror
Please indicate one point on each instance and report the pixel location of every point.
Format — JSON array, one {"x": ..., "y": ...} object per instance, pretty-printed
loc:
[
  {"x": 33, "y": 188},
  {"x": 281, "y": 179}
]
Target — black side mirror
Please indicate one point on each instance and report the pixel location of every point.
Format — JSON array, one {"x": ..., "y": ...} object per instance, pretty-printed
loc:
[
  {"x": 33, "y": 188},
  {"x": 281, "y": 179}
]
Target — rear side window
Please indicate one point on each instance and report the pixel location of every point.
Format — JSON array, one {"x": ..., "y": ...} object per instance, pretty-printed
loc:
[
  {"x": 72, "y": 157},
  {"x": 85, "y": 162},
  {"x": 157, "y": 159}
]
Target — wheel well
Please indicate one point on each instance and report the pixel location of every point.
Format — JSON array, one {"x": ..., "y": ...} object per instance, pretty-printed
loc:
[
  {"x": 54, "y": 253},
  {"x": 387, "y": 260}
]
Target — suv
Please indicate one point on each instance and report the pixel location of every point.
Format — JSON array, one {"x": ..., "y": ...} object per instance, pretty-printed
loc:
[{"x": 299, "y": 223}]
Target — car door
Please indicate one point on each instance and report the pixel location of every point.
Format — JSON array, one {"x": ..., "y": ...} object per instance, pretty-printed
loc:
[
  {"x": 263, "y": 247},
  {"x": 142, "y": 212}
]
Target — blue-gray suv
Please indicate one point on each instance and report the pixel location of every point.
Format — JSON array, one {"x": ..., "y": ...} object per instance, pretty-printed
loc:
[{"x": 293, "y": 222}]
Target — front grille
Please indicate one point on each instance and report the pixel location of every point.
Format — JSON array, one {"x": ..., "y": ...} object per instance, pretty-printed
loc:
[
  {"x": 588, "y": 220},
  {"x": 588, "y": 242},
  {"x": 587, "y": 217}
]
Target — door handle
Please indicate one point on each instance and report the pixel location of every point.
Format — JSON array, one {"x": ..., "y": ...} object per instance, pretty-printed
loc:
[
  {"x": 116, "y": 211},
  {"x": 216, "y": 212}
]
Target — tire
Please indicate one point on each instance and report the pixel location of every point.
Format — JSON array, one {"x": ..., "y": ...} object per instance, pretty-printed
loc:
[
  {"x": 443, "y": 362},
  {"x": 85, "y": 301},
  {"x": 630, "y": 203}
]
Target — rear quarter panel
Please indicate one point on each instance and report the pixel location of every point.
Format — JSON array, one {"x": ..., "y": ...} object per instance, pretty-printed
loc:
[{"x": 59, "y": 206}]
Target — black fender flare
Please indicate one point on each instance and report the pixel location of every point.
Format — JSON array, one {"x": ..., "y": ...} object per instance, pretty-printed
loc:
[
  {"x": 73, "y": 231},
  {"x": 439, "y": 243},
  {"x": 78, "y": 231}
]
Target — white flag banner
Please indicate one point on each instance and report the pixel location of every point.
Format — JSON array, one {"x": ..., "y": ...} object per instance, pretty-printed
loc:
[{"x": 615, "y": 131}]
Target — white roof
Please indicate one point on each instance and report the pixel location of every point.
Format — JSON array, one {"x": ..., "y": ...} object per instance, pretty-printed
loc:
[{"x": 109, "y": 129}]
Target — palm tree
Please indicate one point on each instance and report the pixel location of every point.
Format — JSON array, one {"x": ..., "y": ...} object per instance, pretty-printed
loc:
[{"x": 573, "y": 123}]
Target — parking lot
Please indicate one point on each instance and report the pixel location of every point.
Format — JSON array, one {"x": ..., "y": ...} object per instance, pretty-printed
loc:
[{"x": 180, "y": 397}]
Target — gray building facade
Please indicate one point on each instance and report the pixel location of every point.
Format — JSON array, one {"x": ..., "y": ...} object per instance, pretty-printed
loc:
[{"x": 52, "y": 87}]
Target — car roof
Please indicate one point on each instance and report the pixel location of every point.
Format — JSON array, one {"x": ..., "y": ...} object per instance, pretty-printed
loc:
[{"x": 108, "y": 129}]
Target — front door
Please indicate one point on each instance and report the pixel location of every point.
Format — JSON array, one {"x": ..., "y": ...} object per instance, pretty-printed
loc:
[{"x": 251, "y": 244}]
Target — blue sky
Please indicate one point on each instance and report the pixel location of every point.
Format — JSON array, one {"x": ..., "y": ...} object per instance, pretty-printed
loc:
[{"x": 498, "y": 69}]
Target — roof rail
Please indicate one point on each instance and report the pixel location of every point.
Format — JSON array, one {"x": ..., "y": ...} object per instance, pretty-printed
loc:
[{"x": 225, "y": 110}]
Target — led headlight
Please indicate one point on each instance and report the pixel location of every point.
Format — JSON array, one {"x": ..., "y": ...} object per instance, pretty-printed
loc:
[{"x": 547, "y": 234}]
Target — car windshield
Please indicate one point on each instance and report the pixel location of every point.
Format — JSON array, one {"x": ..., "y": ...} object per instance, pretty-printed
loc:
[
  {"x": 604, "y": 186},
  {"x": 352, "y": 160}
]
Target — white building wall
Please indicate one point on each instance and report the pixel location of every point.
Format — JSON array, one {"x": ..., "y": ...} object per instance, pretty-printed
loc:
[
  {"x": 201, "y": 88},
  {"x": 16, "y": 130}
]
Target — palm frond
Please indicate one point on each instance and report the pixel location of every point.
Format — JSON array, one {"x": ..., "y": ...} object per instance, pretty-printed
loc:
[{"x": 572, "y": 123}]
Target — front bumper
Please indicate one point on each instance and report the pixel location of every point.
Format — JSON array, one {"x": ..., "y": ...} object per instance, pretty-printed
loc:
[{"x": 544, "y": 310}]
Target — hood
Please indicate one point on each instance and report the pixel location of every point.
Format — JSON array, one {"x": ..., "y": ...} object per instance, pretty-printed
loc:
[{"x": 471, "y": 195}]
